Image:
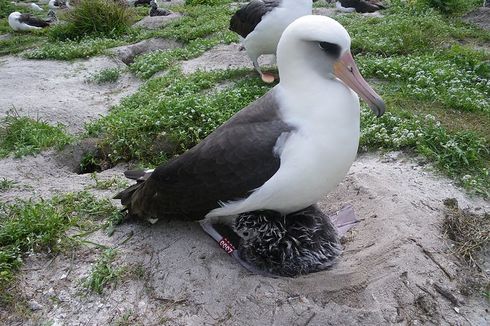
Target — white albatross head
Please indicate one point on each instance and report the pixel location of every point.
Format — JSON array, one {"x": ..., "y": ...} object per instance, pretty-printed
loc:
[{"x": 320, "y": 46}]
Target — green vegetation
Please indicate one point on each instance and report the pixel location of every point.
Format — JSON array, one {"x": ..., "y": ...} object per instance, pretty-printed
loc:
[
  {"x": 18, "y": 42},
  {"x": 41, "y": 226},
  {"x": 147, "y": 65},
  {"x": 103, "y": 272},
  {"x": 197, "y": 23},
  {"x": 24, "y": 136},
  {"x": 450, "y": 7},
  {"x": 436, "y": 77},
  {"x": 171, "y": 114},
  {"x": 126, "y": 319},
  {"x": 111, "y": 183},
  {"x": 95, "y": 18},
  {"x": 6, "y": 184},
  {"x": 6, "y": 7},
  {"x": 108, "y": 75},
  {"x": 462, "y": 155},
  {"x": 205, "y": 2}
]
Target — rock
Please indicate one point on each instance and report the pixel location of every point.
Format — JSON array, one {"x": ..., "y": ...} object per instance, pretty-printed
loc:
[
  {"x": 34, "y": 305},
  {"x": 156, "y": 22},
  {"x": 127, "y": 53},
  {"x": 324, "y": 11}
]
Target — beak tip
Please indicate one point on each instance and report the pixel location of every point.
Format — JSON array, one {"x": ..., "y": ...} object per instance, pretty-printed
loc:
[{"x": 378, "y": 107}]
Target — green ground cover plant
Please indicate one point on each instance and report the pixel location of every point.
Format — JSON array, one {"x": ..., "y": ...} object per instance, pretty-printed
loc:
[
  {"x": 95, "y": 18},
  {"x": 103, "y": 272},
  {"x": 105, "y": 76},
  {"x": 42, "y": 225},
  {"x": 6, "y": 184},
  {"x": 6, "y": 7},
  {"x": 176, "y": 109},
  {"x": 449, "y": 7},
  {"x": 197, "y": 24},
  {"x": 461, "y": 155},
  {"x": 436, "y": 77},
  {"x": 21, "y": 136}
]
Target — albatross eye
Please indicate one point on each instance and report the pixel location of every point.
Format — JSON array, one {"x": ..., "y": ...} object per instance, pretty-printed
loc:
[{"x": 331, "y": 49}]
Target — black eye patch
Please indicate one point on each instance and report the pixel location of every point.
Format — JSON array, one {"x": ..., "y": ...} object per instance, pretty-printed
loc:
[{"x": 331, "y": 48}]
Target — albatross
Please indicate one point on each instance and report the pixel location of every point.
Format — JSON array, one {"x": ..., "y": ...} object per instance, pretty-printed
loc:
[
  {"x": 26, "y": 22},
  {"x": 361, "y": 6},
  {"x": 281, "y": 153},
  {"x": 260, "y": 24}
]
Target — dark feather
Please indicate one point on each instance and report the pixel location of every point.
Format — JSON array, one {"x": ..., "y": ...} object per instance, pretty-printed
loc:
[
  {"x": 243, "y": 22},
  {"x": 362, "y": 6},
  {"x": 134, "y": 174},
  {"x": 232, "y": 161},
  {"x": 142, "y": 3},
  {"x": 288, "y": 245},
  {"x": 32, "y": 21}
]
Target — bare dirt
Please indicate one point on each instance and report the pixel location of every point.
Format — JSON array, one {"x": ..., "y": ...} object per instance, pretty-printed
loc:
[
  {"x": 479, "y": 17},
  {"x": 58, "y": 91},
  {"x": 394, "y": 265}
]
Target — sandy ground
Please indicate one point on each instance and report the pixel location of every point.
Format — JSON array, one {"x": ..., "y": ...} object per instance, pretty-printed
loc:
[
  {"x": 393, "y": 260},
  {"x": 58, "y": 91},
  {"x": 387, "y": 274}
]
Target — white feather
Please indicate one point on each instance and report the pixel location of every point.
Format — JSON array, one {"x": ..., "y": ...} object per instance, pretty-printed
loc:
[{"x": 339, "y": 7}]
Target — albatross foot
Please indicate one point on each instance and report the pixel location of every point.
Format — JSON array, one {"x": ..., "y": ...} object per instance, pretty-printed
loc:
[{"x": 267, "y": 77}]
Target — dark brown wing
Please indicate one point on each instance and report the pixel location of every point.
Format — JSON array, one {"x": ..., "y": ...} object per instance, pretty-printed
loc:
[
  {"x": 243, "y": 22},
  {"x": 232, "y": 161},
  {"x": 32, "y": 21}
]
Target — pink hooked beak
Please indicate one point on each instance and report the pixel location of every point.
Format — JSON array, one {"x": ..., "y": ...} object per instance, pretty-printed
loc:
[{"x": 346, "y": 70}]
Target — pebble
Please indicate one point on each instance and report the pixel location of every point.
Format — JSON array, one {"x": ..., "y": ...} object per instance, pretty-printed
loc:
[{"x": 34, "y": 305}]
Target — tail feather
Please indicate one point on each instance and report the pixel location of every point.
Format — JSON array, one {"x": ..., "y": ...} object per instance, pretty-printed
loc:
[
  {"x": 138, "y": 175},
  {"x": 134, "y": 174},
  {"x": 126, "y": 195}
]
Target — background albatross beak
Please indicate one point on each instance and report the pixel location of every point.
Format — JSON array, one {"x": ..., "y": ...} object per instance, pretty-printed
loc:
[{"x": 346, "y": 70}]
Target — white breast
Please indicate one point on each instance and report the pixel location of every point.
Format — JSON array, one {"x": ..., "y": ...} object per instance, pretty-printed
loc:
[{"x": 315, "y": 157}]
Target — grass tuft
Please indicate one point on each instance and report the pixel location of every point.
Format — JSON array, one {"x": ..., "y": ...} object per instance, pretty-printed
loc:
[
  {"x": 105, "y": 76},
  {"x": 111, "y": 183},
  {"x": 6, "y": 184},
  {"x": 41, "y": 226},
  {"x": 24, "y": 136},
  {"x": 94, "y": 18},
  {"x": 103, "y": 272}
]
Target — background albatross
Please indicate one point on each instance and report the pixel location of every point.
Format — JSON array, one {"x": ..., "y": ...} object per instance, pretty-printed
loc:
[
  {"x": 281, "y": 153},
  {"x": 260, "y": 24}
]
